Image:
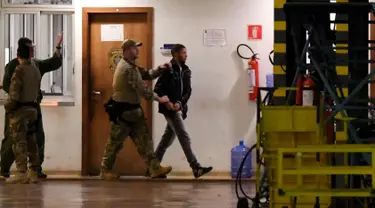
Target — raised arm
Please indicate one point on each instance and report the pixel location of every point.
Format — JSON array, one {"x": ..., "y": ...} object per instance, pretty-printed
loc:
[
  {"x": 149, "y": 74},
  {"x": 50, "y": 64},
  {"x": 154, "y": 73},
  {"x": 53, "y": 63}
]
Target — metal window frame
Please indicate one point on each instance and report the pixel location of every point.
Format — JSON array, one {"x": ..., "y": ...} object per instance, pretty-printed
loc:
[
  {"x": 65, "y": 91},
  {"x": 4, "y": 4},
  {"x": 38, "y": 11},
  {"x": 2, "y": 34},
  {"x": 2, "y": 40}
]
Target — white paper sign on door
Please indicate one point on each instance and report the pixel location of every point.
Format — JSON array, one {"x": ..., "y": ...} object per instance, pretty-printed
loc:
[{"x": 112, "y": 32}]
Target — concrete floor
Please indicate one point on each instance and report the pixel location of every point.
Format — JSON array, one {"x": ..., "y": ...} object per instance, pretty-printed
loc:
[{"x": 120, "y": 194}]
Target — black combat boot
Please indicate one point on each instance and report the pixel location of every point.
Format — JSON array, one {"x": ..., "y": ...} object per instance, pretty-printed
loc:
[
  {"x": 199, "y": 171},
  {"x": 42, "y": 175}
]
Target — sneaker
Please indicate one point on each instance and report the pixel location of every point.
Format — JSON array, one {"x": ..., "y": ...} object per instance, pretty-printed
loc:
[
  {"x": 109, "y": 176},
  {"x": 161, "y": 171},
  {"x": 200, "y": 171},
  {"x": 42, "y": 175},
  {"x": 33, "y": 176},
  {"x": 18, "y": 178},
  {"x": 148, "y": 174}
]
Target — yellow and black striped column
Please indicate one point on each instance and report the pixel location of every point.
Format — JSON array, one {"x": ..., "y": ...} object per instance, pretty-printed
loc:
[
  {"x": 342, "y": 67},
  {"x": 279, "y": 51}
]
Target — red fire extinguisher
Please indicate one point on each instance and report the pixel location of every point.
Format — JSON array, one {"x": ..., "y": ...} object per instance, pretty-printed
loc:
[
  {"x": 308, "y": 94},
  {"x": 299, "y": 91},
  {"x": 253, "y": 71}
]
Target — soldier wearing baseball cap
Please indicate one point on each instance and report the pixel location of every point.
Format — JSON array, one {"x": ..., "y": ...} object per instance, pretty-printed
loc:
[
  {"x": 126, "y": 114},
  {"x": 126, "y": 44}
]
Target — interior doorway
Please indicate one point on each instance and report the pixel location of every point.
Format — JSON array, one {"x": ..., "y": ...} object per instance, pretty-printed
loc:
[{"x": 99, "y": 56}]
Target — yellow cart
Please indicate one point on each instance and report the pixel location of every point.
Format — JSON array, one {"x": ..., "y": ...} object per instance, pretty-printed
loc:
[{"x": 291, "y": 144}]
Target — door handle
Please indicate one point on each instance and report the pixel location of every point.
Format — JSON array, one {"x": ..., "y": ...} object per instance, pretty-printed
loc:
[
  {"x": 94, "y": 92},
  {"x": 95, "y": 97}
]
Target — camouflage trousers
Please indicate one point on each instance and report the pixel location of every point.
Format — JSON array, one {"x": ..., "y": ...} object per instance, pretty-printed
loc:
[
  {"x": 6, "y": 151},
  {"x": 22, "y": 125},
  {"x": 131, "y": 123}
]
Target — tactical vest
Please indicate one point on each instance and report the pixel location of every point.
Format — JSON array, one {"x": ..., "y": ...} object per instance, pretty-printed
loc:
[
  {"x": 122, "y": 90},
  {"x": 31, "y": 79}
]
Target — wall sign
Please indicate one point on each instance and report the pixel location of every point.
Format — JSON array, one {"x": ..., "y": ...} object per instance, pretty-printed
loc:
[
  {"x": 254, "y": 32},
  {"x": 166, "y": 49},
  {"x": 214, "y": 37}
]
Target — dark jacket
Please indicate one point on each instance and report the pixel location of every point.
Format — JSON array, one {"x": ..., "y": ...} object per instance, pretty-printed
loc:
[{"x": 176, "y": 84}]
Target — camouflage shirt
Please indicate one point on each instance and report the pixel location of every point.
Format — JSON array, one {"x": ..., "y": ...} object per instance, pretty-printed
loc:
[
  {"x": 128, "y": 84},
  {"x": 44, "y": 66},
  {"x": 24, "y": 85}
]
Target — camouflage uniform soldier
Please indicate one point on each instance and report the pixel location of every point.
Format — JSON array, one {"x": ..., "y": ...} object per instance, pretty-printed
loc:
[
  {"x": 44, "y": 66},
  {"x": 21, "y": 107},
  {"x": 126, "y": 115}
]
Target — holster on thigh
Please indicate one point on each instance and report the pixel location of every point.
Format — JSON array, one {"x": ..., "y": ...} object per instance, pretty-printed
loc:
[{"x": 115, "y": 110}]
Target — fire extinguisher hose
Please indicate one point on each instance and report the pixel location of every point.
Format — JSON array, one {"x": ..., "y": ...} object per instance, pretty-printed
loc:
[
  {"x": 246, "y": 46},
  {"x": 273, "y": 63}
]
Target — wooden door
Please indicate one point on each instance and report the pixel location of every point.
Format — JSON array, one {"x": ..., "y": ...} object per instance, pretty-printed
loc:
[{"x": 102, "y": 58}]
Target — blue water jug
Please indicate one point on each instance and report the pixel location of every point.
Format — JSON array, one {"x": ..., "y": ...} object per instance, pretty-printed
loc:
[
  {"x": 269, "y": 80},
  {"x": 269, "y": 83},
  {"x": 237, "y": 154}
]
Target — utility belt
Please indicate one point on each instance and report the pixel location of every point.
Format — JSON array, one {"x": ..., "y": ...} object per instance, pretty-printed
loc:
[
  {"x": 33, "y": 127},
  {"x": 114, "y": 109},
  {"x": 33, "y": 104},
  {"x": 19, "y": 105}
]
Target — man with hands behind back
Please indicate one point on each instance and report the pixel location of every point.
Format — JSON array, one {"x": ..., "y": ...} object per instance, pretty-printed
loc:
[{"x": 176, "y": 84}]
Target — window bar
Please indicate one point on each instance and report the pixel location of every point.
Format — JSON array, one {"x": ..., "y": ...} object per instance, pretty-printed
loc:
[
  {"x": 72, "y": 56},
  {"x": 2, "y": 51},
  {"x": 25, "y": 23},
  {"x": 51, "y": 49},
  {"x": 10, "y": 26},
  {"x": 12, "y": 34},
  {"x": 65, "y": 65},
  {"x": 36, "y": 29}
]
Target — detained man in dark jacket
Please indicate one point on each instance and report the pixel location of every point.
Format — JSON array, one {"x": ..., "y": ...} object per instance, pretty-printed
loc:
[
  {"x": 44, "y": 66},
  {"x": 176, "y": 84}
]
